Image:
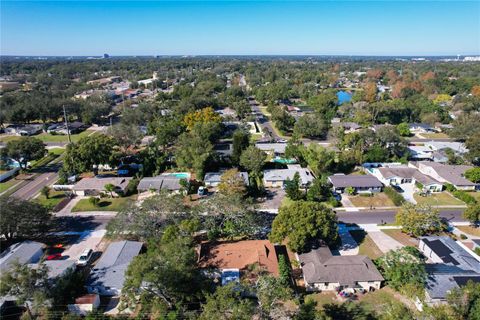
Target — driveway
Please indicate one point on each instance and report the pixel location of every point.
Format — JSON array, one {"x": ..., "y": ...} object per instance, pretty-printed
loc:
[
  {"x": 408, "y": 191},
  {"x": 347, "y": 204},
  {"x": 349, "y": 246},
  {"x": 384, "y": 242},
  {"x": 273, "y": 199},
  {"x": 88, "y": 240}
]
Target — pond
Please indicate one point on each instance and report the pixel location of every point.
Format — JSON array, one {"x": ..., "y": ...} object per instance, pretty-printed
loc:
[{"x": 343, "y": 97}]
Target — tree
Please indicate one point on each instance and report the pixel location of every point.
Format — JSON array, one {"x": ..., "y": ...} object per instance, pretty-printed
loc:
[
  {"x": 24, "y": 150},
  {"x": 150, "y": 219},
  {"x": 302, "y": 222},
  {"x": 125, "y": 135},
  {"x": 109, "y": 188},
  {"x": 227, "y": 303},
  {"x": 232, "y": 183},
  {"x": 292, "y": 187},
  {"x": 473, "y": 145},
  {"x": 472, "y": 214},
  {"x": 419, "y": 220},
  {"x": 23, "y": 219},
  {"x": 350, "y": 190},
  {"x": 325, "y": 104},
  {"x": 88, "y": 152},
  {"x": 166, "y": 274},
  {"x": 26, "y": 284},
  {"x": 240, "y": 141},
  {"x": 319, "y": 159},
  {"x": 253, "y": 160},
  {"x": 319, "y": 191},
  {"x": 404, "y": 129},
  {"x": 404, "y": 270},
  {"x": 271, "y": 292},
  {"x": 192, "y": 152},
  {"x": 205, "y": 115},
  {"x": 45, "y": 191},
  {"x": 370, "y": 91},
  {"x": 311, "y": 126},
  {"x": 284, "y": 270},
  {"x": 465, "y": 301},
  {"x": 473, "y": 174},
  {"x": 94, "y": 201}
]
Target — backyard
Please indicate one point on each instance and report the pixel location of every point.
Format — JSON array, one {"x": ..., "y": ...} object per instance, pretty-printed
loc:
[
  {"x": 438, "y": 199},
  {"x": 105, "y": 204},
  {"x": 375, "y": 200},
  {"x": 366, "y": 246}
]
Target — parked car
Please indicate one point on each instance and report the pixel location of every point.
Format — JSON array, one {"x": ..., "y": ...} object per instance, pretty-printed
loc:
[
  {"x": 85, "y": 257},
  {"x": 201, "y": 191},
  {"x": 337, "y": 196},
  {"x": 397, "y": 188},
  {"x": 55, "y": 256}
]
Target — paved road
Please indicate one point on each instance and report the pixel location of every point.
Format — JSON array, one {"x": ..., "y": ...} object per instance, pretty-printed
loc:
[
  {"x": 48, "y": 175},
  {"x": 262, "y": 120},
  {"x": 388, "y": 216}
]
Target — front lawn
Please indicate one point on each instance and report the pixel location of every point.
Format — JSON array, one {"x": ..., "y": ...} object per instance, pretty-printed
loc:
[
  {"x": 401, "y": 237},
  {"x": 105, "y": 204},
  {"x": 438, "y": 199},
  {"x": 470, "y": 230},
  {"x": 374, "y": 200},
  {"x": 47, "y": 137},
  {"x": 436, "y": 135},
  {"x": 366, "y": 245},
  {"x": 53, "y": 199}
]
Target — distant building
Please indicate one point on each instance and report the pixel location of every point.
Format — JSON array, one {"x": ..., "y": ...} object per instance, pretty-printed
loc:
[
  {"x": 25, "y": 252},
  {"x": 85, "y": 304},
  {"x": 106, "y": 56},
  {"x": 273, "y": 149},
  {"x": 108, "y": 275},
  {"x": 213, "y": 179}
]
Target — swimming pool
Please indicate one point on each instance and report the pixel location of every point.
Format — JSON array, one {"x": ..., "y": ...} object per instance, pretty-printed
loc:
[
  {"x": 343, "y": 97},
  {"x": 283, "y": 160},
  {"x": 181, "y": 175}
]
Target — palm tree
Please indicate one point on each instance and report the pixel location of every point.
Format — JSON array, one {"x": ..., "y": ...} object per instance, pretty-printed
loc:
[{"x": 109, "y": 188}]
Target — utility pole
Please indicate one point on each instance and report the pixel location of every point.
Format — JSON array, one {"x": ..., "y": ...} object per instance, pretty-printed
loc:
[{"x": 66, "y": 124}]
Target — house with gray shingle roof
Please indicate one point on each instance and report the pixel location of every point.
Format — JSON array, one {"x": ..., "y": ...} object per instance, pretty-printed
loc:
[
  {"x": 361, "y": 183},
  {"x": 276, "y": 178},
  {"x": 323, "y": 271},
  {"x": 444, "y": 173},
  {"x": 161, "y": 182},
  {"x": 22, "y": 252},
  {"x": 108, "y": 275},
  {"x": 400, "y": 174},
  {"x": 213, "y": 179}
]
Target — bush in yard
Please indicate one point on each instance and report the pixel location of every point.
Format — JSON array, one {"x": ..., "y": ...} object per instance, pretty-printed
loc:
[
  {"x": 450, "y": 187},
  {"x": 45, "y": 191},
  {"x": 473, "y": 174},
  {"x": 94, "y": 201},
  {"x": 464, "y": 196},
  {"x": 463, "y": 237},
  {"x": 131, "y": 187},
  {"x": 350, "y": 190},
  {"x": 393, "y": 195}
]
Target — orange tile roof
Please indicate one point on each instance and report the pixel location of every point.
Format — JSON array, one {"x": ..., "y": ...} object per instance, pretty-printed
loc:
[{"x": 239, "y": 255}]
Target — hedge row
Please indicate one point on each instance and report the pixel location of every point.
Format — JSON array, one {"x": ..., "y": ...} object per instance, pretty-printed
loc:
[
  {"x": 464, "y": 196},
  {"x": 396, "y": 197}
]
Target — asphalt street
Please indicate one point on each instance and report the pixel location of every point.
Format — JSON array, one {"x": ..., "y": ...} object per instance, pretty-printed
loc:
[{"x": 388, "y": 216}]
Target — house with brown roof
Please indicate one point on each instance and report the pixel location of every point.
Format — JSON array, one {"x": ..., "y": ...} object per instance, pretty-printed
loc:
[
  {"x": 239, "y": 255},
  {"x": 322, "y": 271}
]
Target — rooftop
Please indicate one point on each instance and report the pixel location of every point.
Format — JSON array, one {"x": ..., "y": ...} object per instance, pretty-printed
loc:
[
  {"x": 356, "y": 181},
  {"x": 451, "y": 173},
  {"x": 239, "y": 255},
  {"x": 284, "y": 174},
  {"x": 22, "y": 252},
  {"x": 407, "y": 173},
  {"x": 97, "y": 183},
  {"x": 160, "y": 182}
]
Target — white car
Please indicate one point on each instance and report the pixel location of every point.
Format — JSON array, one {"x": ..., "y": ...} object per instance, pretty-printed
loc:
[{"x": 85, "y": 257}]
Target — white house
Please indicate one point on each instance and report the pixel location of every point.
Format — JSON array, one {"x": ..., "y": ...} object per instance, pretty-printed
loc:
[
  {"x": 400, "y": 174},
  {"x": 275, "y": 178},
  {"x": 444, "y": 173}
]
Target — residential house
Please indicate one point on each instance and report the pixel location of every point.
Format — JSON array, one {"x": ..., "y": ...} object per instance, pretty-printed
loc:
[
  {"x": 25, "y": 252},
  {"x": 161, "y": 182},
  {"x": 223, "y": 149},
  {"x": 108, "y": 275},
  {"x": 233, "y": 258},
  {"x": 420, "y": 128},
  {"x": 56, "y": 268},
  {"x": 95, "y": 186},
  {"x": 24, "y": 130},
  {"x": 213, "y": 179},
  {"x": 275, "y": 178},
  {"x": 273, "y": 149},
  {"x": 60, "y": 128},
  {"x": 323, "y": 271},
  {"x": 444, "y": 173},
  {"x": 360, "y": 183},
  {"x": 400, "y": 174},
  {"x": 349, "y": 127},
  {"x": 451, "y": 267},
  {"x": 85, "y": 304}
]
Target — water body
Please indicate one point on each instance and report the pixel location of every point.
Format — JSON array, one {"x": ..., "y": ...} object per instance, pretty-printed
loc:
[{"x": 343, "y": 97}]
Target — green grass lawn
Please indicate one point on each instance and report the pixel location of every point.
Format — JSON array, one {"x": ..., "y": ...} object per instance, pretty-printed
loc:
[
  {"x": 8, "y": 184},
  {"x": 321, "y": 298},
  {"x": 476, "y": 195},
  {"x": 366, "y": 246},
  {"x": 105, "y": 204},
  {"x": 57, "y": 151},
  {"x": 438, "y": 199},
  {"x": 53, "y": 199},
  {"x": 47, "y": 137},
  {"x": 437, "y": 135},
  {"x": 470, "y": 230}
]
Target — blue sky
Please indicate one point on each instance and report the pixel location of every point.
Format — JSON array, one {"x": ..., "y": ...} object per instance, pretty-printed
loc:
[{"x": 240, "y": 27}]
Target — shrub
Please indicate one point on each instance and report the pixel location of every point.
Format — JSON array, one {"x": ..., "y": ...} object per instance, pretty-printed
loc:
[
  {"x": 463, "y": 237},
  {"x": 464, "y": 196},
  {"x": 94, "y": 201},
  {"x": 396, "y": 198},
  {"x": 131, "y": 187},
  {"x": 477, "y": 251},
  {"x": 450, "y": 187},
  {"x": 419, "y": 185},
  {"x": 350, "y": 190}
]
